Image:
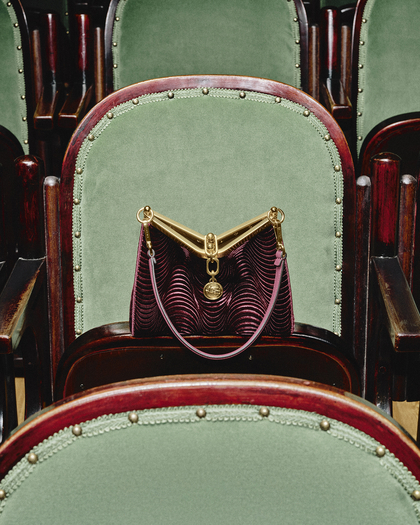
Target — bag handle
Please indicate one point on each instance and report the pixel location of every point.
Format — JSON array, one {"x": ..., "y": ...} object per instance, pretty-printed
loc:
[{"x": 278, "y": 263}]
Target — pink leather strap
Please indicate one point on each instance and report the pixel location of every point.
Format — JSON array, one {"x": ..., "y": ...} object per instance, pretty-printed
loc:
[{"x": 279, "y": 263}]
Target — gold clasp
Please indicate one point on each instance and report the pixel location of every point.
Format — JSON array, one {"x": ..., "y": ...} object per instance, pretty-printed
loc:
[
  {"x": 148, "y": 217},
  {"x": 272, "y": 217},
  {"x": 212, "y": 290}
]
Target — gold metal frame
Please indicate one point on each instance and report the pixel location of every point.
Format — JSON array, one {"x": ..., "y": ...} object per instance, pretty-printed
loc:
[{"x": 211, "y": 246}]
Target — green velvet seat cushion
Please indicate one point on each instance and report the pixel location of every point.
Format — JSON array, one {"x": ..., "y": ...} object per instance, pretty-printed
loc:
[
  {"x": 233, "y": 466},
  {"x": 209, "y": 162},
  {"x": 389, "y": 77},
  {"x": 12, "y": 84},
  {"x": 159, "y": 38}
]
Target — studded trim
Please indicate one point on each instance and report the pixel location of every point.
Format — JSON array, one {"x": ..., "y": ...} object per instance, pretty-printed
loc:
[
  {"x": 361, "y": 82},
  {"x": 210, "y": 414},
  {"x": 250, "y": 97},
  {"x": 20, "y": 72}
]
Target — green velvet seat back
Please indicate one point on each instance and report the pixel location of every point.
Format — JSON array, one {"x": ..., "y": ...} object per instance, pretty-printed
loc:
[
  {"x": 232, "y": 466},
  {"x": 12, "y": 81},
  {"x": 389, "y": 76},
  {"x": 210, "y": 162},
  {"x": 159, "y": 38}
]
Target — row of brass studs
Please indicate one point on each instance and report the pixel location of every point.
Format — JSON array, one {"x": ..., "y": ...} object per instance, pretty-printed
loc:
[
  {"x": 360, "y": 90},
  {"x": 201, "y": 413},
  {"x": 19, "y": 48}
]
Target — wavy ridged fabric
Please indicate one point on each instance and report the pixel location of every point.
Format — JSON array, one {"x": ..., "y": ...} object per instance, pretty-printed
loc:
[{"x": 246, "y": 274}]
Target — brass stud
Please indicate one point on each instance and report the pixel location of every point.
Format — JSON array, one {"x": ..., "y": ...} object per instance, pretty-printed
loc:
[
  {"x": 205, "y": 91},
  {"x": 78, "y": 332},
  {"x": 91, "y": 137},
  {"x": 133, "y": 417},
  {"x": 359, "y": 137},
  {"x": 337, "y": 301},
  {"x": 77, "y": 235},
  {"x": 2, "y": 494},
  {"x": 338, "y": 234},
  {"x": 16, "y": 24},
  {"x": 9, "y": 4},
  {"x": 77, "y": 430},
  {"x": 79, "y": 171},
  {"x": 297, "y": 66},
  {"x": 264, "y": 412},
  {"x": 32, "y": 458},
  {"x": 76, "y": 201},
  {"x": 200, "y": 412},
  {"x": 24, "y": 119},
  {"x": 324, "y": 425},
  {"x": 79, "y": 299},
  {"x": 117, "y": 18},
  {"x": 336, "y": 333},
  {"x": 360, "y": 66},
  {"x": 110, "y": 115},
  {"x": 416, "y": 495},
  {"x": 327, "y": 137},
  {"x": 115, "y": 66},
  {"x": 337, "y": 168},
  {"x": 338, "y": 200},
  {"x": 114, "y": 44},
  {"x": 77, "y": 268},
  {"x": 277, "y": 100},
  {"x": 22, "y": 97},
  {"x": 66, "y": 14},
  {"x": 364, "y": 20},
  {"x": 26, "y": 141},
  {"x": 242, "y": 94},
  {"x": 171, "y": 94},
  {"x": 360, "y": 90},
  {"x": 362, "y": 43},
  {"x": 338, "y": 268},
  {"x": 20, "y": 70},
  {"x": 19, "y": 48},
  {"x": 306, "y": 113},
  {"x": 359, "y": 113},
  {"x": 297, "y": 42},
  {"x": 295, "y": 19},
  {"x": 135, "y": 101},
  {"x": 380, "y": 451}
]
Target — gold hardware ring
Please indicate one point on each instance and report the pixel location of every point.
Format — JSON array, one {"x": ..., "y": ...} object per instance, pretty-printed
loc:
[
  {"x": 146, "y": 210},
  {"x": 272, "y": 213}
]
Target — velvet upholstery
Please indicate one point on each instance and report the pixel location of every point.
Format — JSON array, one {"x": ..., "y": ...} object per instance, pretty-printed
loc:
[
  {"x": 12, "y": 84},
  {"x": 157, "y": 38},
  {"x": 209, "y": 162},
  {"x": 230, "y": 464},
  {"x": 389, "y": 78}
]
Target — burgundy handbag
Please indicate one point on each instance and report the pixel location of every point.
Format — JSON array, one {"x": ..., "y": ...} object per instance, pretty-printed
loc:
[{"x": 176, "y": 291}]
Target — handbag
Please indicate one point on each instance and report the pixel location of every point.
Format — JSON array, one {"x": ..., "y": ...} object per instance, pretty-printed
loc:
[{"x": 233, "y": 284}]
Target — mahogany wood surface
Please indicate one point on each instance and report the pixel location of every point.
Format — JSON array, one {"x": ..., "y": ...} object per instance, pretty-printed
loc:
[
  {"x": 361, "y": 277},
  {"x": 220, "y": 81},
  {"x": 402, "y": 312},
  {"x": 314, "y": 61},
  {"x": 110, "y": 353},
  {"x": 385, "y": 183},
  {"x": 406, "y": 225},
  {"x": 206, "y": 390}
]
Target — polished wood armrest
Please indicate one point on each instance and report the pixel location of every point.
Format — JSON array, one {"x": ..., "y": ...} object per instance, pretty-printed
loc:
[
  {"x": 47, "y": 107},
  {"x": 16, "y": 299},
  {"x": 75, "y": 106},
  {"x": 334, "y": 98},
  {"x": 402, "y": 315}
]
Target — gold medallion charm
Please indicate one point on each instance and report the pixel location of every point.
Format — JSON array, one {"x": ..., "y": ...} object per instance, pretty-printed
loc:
[{"x": 213, "y": 290}]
